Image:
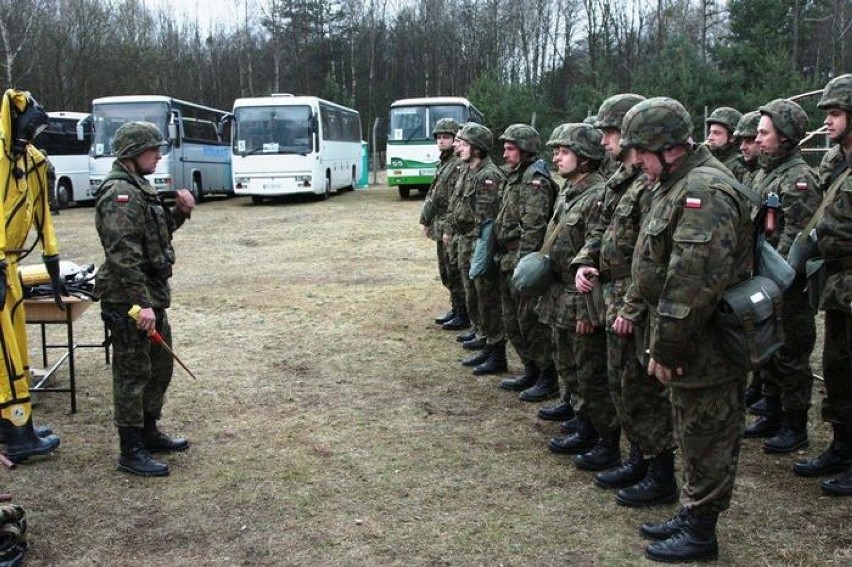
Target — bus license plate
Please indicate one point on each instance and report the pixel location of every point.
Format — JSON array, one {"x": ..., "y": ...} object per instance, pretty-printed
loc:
[
  {"x": 272, "y": 186},
  {"x": 427, "y": 171}
]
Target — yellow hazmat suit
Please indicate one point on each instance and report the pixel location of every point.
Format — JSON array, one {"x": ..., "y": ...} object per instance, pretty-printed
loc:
[{"x": 23, "y": 180}]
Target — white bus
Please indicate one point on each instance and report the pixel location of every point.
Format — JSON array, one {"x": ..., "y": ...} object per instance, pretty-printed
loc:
[
  {"x": 66, "y": 140},
  {"x": 412, "y": 156},
  {"x": 284, "y": 145},
  {"x": 197, "y": 158}
]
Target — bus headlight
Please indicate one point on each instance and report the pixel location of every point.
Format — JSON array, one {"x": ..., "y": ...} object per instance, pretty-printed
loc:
[
  {"x": 304, "y": 180},
  {"x": 162, "y": 180}
]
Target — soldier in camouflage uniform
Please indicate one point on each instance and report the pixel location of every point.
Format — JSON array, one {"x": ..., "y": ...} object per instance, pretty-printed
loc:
[
  {"x": 834, "y": 236},
  {"x": 746, "y": 133},
  {"x": 722, "y": 123},
  {"x": 433, "y": 217},
  {"x": 642, "y": 402},
  {"x": 695, "y": 243},
  {"x": 788, "y": 377},
  {"x": 135, "y": 228},
  {"x": 519, "y": 230},
  {"x": 479, "y": 190},
  {"x": 578, "y": 335}
]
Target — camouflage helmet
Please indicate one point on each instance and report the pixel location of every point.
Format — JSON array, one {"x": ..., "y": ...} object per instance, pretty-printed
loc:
[
  {"x": 581, "y": 138},
  {"x": 725, "y": 116},
  {"x": 612, "y": 110},
  {"x": 747, "y": 126},
  {"x": 590, "y": 119},
  {"x": 656, "y": 124},
  {"x": 837, "y": 93},
  {"x": 787, "y": 117},
  {"x": 522, "y": 135},
  {"x": 477, "y": 135},
  {"x": 133, "y": 138},
  {"x": 445, "y": 126}
]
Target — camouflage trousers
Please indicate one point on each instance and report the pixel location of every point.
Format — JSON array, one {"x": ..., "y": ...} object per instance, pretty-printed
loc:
[
  {"x": 450, "y": 275},
  {"x": 836, "y": 362},
  {"x": 788, "y": 374},
  {"x": 584, "y": 376},
  {"x": 708, "y": 424},
  {"x": 462, "y": 248},
  {"x": 521, "y": 326},
  {"x": 641, "y": 401},
  {"x": 141, "y": 371},
  {"x": 490, "y": 310}
]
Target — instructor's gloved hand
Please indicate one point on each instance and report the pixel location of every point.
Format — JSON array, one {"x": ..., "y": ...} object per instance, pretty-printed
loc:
[
  {"x": 56, "y": 281},
  {"x": 2, "y": 284}
]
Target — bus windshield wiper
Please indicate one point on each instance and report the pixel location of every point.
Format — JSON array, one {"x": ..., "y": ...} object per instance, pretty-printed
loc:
[{"x": 252, "y": 151}]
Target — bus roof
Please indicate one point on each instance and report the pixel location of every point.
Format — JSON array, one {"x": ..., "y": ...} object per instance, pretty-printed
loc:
[
  {"x": 432, "y": 100},
  {"x": 150, "y": 98},
  {"x": 285, "y": 100},
  {"x": 68, "y": 114}
]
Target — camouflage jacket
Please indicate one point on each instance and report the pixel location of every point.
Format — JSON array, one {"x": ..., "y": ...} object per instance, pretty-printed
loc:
[
  {"x": 135, "y": 228},
  {"x": 524, "y": 212},
  {"x": 478, "y": 199},
  {"x": 794, "y": 182},
  {"x": 626, "y": 201},
  {"x": 834, "y": 232},
  {"x": 732, "y": 158},
  {"x": 695, "y": 243},
  {"x": 575, "y": 216},
  {"x": 752, "y": 168},
  {"x": 440, "y": 192}
]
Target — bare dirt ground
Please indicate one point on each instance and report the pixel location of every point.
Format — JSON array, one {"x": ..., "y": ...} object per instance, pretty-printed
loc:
[{"x": 332, "y": 425}]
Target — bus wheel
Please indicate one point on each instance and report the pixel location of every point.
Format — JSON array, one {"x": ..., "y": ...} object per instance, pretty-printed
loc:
[
  {"x": 327, "y": 193},
  {"x": 63, "y": 194},
  {"x": 404, "y": 192},
  {"x": 256, "y": 199},
  {"x": 196, "y": 190}
]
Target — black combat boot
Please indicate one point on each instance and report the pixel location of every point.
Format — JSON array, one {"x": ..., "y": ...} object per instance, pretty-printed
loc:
[
  {"x": 768, "y": 424},
  {"x": 754, "y": 391},
  {"x": 155, "y": 441},
  {"x": 522, "y": 382},
  {"x": 793, "y": 434},
  {"x": 560, "y": 412},
  {"x": 466, "y": 335},
  {"x": 833, "y": 460},
  {"x": 604, "y": 455},
  {"x": 658, "y": 487},
  {"x": 496, "y": 361},
  {"x": 840, "y": 486},
  {"x": 666, "y": 528},
  {"x": 570, "y": 426},
  {"x": 476, "y": 343},
  {"x": 577, "y": 443},
  {"x": 458, "y": 322},
  {"x": 695, "y": 542},
  {"x": 22, "y": 441},
  {"x": 758, "y": 407},
  {"x": 40, "y": 430},
  {"x": 545, "y": 388},
  {"x": 134, "y": 458},
  {"x": 440, "y": 320},
  {"x": 629, "y": 473},
  {"x": 477, "y": 358}
]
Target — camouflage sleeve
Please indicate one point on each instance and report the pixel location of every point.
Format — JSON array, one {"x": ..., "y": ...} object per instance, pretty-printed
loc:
[
  {"x": 590, "y": 254},
  {"x": 698, "y": 272},
  {"x": 178, "y": 218},
  {"x": 634, "y": 307},
  {"x": 800, "y": 199},
  {"x": 535, "y": 215},
  {"x": 121, "y": 227},
  {"x": 489, "y": 190}
]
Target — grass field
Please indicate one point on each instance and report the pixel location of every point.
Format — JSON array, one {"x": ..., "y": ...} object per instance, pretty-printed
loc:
[{"x": 331, "y": 424}]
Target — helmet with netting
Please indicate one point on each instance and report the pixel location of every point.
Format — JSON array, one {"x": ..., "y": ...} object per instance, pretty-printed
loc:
[
  {"x": 133, "y": 138},
  {"x": 656, "y": 124},
  {"x": 522, "y": 135},
  {"x": 477, "y": 135},
  {"x": 725, "y": 116},
  {"x": 837, "y": 93},
  {"x": 747, "y": 126},
  {"x": 445, "y": 126},
  {"x": 581, "y": 138},
  {"x": 612, "y": 110},
  {"x": 787, "y": 117}
]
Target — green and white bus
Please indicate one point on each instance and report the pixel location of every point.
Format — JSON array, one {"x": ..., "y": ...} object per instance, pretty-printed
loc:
[{"x": 412, "y": 155}]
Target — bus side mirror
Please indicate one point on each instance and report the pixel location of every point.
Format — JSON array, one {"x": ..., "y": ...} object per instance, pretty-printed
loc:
[
  {"x": 314, "y": 124},
  {"x": 223, "y": 124}
]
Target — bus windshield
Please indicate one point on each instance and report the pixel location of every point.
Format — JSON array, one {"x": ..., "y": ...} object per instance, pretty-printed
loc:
[
  {"x": 408, "y": 123},
  {"x": 109, "y": 117},
  {"x": 272, "y": 130}
]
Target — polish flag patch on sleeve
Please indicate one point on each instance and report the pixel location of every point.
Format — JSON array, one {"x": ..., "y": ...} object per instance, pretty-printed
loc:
[
  {"x": 123, "y": 198},
  {"x": 801, "y": 185},
  {"x": 692, "y": 203}
]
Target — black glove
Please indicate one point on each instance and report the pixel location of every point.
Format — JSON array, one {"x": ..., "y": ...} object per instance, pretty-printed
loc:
[
  {"x": 56, "y": 281},
  {"x": 2, "y": 284}
]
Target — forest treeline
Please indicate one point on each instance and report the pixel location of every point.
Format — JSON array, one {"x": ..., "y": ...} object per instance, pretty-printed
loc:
[{"x": 556, "y": 58}]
